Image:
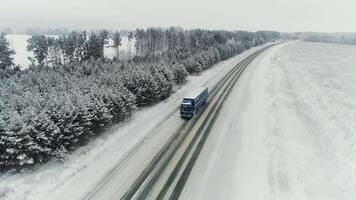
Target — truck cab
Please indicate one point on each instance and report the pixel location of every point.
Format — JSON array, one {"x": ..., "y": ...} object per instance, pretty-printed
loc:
[
  {"x": 193, "y": 102},
  {"x": 187, "y": 108}
]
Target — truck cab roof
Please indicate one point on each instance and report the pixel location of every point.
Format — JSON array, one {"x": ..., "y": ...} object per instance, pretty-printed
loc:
[{"x": 187, "y": 103}]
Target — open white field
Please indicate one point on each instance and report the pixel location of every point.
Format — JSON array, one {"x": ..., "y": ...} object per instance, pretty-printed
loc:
[{"x": 287, "y": 131}]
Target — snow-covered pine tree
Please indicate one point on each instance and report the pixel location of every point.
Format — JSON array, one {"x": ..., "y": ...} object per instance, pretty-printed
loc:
[
  {"x": 179, "y": 73},
  {"x": 117, "y": 43},
  {"x": 6, "y": 59},
  {"x": 17, "y": 148}
]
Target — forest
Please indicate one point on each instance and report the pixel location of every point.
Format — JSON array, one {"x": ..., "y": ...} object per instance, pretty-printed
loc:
[
  {"x": 340, "y": 38},
  {"x": 71, "y": 92}
]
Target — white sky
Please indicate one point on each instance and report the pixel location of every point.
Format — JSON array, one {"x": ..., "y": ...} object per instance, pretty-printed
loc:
[{"x": 280, "y": 15}]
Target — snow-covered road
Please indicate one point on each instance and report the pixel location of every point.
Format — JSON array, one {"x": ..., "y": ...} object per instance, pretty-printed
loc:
[{"x": 287, "y": 131}]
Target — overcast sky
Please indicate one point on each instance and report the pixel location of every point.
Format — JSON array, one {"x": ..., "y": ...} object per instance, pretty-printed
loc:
[{"x": 280, "y": 15}]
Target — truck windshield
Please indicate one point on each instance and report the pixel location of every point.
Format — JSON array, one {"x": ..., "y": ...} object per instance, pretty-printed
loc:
[{"x": 186, "y": 105}]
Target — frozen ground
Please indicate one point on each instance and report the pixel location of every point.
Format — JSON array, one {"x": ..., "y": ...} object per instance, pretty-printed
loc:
[
  {"x": 83, "y": 169},
  {"x": 287, "y": 131}
]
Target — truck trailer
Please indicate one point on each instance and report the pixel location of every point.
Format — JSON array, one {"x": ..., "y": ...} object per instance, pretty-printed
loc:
[{"x": 192, "y": 102}]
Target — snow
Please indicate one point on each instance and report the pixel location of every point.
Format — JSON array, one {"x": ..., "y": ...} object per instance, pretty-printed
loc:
[
  {"x": 286, "y": 131},
  {"x": 80, "y": 171}
]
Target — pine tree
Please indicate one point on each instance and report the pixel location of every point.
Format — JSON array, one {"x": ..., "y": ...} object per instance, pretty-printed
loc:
[
  {"x": 103, "y": 37},
  {"x": 17, "y": 148},
  {"x": 130, "y": 37},
  {"x": 139, "y": 44},
  {"x": 117, "y": 43},
  {"x": 6, "y": 59},
  {"x": 38, "y": 44},
  {"x": 179, "y": 73},
  {"x": 81, "y": 50},
  {"x": 95, "y": 46}
]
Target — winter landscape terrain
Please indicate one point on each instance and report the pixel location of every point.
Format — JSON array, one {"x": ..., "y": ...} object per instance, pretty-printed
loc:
[
  {"x": 178, "y": 100},
  {"x": 285, "y": 132}
]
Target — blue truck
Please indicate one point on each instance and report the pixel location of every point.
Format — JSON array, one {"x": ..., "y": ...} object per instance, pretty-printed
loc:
[{"x": 193, "y": 102}]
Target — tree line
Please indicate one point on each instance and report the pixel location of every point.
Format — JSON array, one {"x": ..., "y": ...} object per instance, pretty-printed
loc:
[
  {"x": 341, "y": 38},
  {"x": 73, "y": 47},
  {"x": 81, "y": 46},
  {"x": 72, "y": 92}
]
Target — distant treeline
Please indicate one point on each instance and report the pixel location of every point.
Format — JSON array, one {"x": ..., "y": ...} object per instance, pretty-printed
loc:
[
  {"x": 341, "y": 38},
  {"x": 81, "y": 46},
  {"x": 35, "y": 31},
  {"x": 49, "y": 31},
  {"x": 49, "y": 110}
]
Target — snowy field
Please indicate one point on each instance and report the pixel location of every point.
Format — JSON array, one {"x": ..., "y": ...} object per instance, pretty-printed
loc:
[
  {"x": 19, "y": 43},
  {"x": 287, "y": 131}
]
